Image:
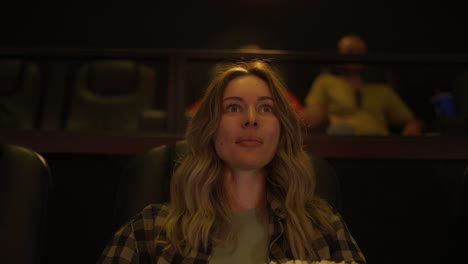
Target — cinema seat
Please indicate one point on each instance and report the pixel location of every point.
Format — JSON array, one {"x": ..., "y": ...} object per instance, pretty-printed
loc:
[
  {"x": 25, "y": 184},
  {"x": 110, "y": 95},
  {"x": 19, "y": 94}
]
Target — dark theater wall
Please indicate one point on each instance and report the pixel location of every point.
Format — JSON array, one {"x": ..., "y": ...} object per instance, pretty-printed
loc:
[{"x": 294, "y": 25}]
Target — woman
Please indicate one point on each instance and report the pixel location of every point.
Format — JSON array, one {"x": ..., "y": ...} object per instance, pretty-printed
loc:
[{"x": 244, "y": 191}]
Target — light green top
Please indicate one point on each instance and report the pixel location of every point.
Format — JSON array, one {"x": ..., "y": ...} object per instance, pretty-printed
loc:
[{"x": 251, "y": 245}]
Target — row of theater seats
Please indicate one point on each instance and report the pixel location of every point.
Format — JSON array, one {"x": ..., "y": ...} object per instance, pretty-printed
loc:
[
  {"x": 26, "y": 185},
  {"x": 109, "y": 95}
]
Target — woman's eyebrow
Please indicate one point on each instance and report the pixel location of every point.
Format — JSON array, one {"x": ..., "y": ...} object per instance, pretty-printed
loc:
[
  {"x": 263, "y": 98},
  {"x": 237, "y": 98}
]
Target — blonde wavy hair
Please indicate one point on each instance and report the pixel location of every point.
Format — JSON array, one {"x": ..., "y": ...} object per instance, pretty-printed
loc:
[{"x": 200, "y": 215}]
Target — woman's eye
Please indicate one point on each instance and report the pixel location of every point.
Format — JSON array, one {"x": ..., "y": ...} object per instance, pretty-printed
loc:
[
  {"x": 266, "y": 108},
  {"x": 233, "y": 108}
]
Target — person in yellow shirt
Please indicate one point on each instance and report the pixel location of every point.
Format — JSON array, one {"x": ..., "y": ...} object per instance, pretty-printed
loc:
[{"x": 343, "y": 102}]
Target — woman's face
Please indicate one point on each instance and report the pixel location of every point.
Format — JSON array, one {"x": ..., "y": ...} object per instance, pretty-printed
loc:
[{"x": 248, "y": 133}]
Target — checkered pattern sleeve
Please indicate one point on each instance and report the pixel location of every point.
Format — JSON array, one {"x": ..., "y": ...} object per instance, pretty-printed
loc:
[
  {"x": 342, "y": 245},
  {"x": 131, "y": 242},
  {"x": 122, "y": 248}
]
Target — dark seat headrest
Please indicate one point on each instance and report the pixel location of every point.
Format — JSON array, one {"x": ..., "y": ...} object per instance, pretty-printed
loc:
[
  {"x": 112, "y": 77},
  {"x": 11, "y": 71}
]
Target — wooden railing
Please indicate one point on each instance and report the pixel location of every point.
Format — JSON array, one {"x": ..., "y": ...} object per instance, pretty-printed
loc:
[{"x": 349, "y": 147}]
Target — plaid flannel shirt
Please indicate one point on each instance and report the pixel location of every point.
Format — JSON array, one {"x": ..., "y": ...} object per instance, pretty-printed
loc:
[{"x": 143, "y": 240}]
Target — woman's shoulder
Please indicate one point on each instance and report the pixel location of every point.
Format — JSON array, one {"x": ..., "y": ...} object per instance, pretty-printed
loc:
[
  {"x": 340, "y": 243},
  {"x": 330, "y": 217},
  {"x": 155, "y": 210},
  {"x": 135, "y": 238},
  {"x": 325, "y": 218},
  {"x": 153, "y": 213},
  {"x": 152, "y": 217}
]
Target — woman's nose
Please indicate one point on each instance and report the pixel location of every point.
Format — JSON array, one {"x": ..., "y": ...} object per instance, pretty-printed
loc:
[{"x": 251, "y": 118}]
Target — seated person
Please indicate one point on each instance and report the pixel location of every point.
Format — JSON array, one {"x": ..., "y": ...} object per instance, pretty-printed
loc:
[
  {"x": 344, "y": 102},
  {"x": 244, "y": 192}
]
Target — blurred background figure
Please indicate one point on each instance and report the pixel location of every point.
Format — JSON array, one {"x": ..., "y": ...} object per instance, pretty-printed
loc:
[{"x": 346, "y": 100}]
